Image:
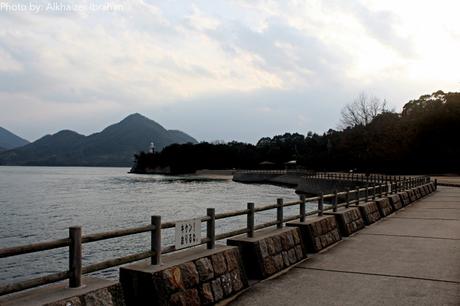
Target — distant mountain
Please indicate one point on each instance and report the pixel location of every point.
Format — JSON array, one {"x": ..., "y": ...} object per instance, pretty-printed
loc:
[
  {"x": 114, "y": 146},
  {"x": 9, "y": 140}
]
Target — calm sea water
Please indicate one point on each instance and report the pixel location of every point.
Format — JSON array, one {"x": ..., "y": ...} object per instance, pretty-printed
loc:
[{"x": 40, "y": 203}]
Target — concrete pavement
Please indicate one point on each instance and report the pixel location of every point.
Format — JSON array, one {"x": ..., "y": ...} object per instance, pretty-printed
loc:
[{"x": 409, "y": 258}]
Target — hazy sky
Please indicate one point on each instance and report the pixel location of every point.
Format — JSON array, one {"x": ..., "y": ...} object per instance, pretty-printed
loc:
[{"x": 218, "y": 69}]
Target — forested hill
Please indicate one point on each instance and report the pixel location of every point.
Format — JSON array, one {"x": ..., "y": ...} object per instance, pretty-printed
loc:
[
  {"x": 422, "y": 138},
  {"x": 8, "y": 140},
  {"x": 114, "y": 146}
]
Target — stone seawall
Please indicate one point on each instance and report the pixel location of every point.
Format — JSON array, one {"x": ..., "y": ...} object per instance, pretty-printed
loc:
[
  {"x": 192, "y": 277},
  {"x": 302, "y": 184},
  {"x": 370, "y": 212},
  {"x": 270, "y": 251},
  {"x": 349, "y": 220},
  {"x": 317, "y": 232}
]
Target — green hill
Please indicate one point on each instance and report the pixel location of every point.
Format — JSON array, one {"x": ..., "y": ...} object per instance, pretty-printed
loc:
[{"x": 114, "y": 146}]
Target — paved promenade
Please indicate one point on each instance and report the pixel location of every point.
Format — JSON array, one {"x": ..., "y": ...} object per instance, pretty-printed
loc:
[{"x": 409, "y": 258}]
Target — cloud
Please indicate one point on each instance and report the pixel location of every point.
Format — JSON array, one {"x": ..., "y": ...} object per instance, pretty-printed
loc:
[{"x": 87, "y": 68}]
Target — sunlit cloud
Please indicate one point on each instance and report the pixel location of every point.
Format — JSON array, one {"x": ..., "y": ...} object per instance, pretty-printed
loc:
[{"x": 65, "y": 68}]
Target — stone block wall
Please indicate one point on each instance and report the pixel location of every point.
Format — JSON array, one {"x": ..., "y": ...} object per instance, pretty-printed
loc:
[
  {"x": 418, "y": 194},
  {"x": 185, "y": 279},
  {"x": 404, "y": 197},
  {"x": 270, "y": 251},
  {"x": 369, "y": 212},
  {"x": 95, "y": 291},
  {"x": 384, "y": 206},
  {"x": 349, "y": 220},
  {"x": 427, "y": 189},
  {"x": 423, "y": 190},
  {"x": 411, "y": 195},
  {"x": 395, "y": 202},
  {"x": 318, "y": 232}
]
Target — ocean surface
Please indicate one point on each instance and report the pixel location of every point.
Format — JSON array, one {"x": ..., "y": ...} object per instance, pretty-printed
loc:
[{"x": 41, "y": 203}]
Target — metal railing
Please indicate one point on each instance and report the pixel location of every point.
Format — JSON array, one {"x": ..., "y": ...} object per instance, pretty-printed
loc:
[
  {"x": 76, "y": 239},
  {"x": 351, "y": 176}
]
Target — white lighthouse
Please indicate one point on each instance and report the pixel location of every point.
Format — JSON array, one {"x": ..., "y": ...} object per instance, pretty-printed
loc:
[{"x": 152, "y": 147}]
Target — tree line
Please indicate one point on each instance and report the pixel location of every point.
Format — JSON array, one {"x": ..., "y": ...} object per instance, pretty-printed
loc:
[{"x": 423, "y": 138}]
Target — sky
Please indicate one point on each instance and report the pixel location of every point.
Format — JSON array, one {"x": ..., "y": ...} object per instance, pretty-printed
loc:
[{"x": 218, "y": 70}]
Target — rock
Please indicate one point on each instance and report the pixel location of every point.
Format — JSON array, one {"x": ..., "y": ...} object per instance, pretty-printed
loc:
[
  {"x": 296, "y": 236},
  {"x": 292, "y": 257},
  {"x": 168, "y": 280},
  {"x": 269, "y": 265},
  {"x": 204, "y": 268},
  {"x": 206, "y": 294},
  {"x": 227, "y": 285},
  {"x": 284, "y": 241},
  {"x": 299, "y": 252},
  {"x": 324, "y": 228},
  {"x": 323, "y": 241},
  {"x": 98, "y": 297},
  {"x": 278, "y": 245},
  {"x": 318, "y": 229},
  {"x": 237, "y": 283},
  {"x": 185, "y": 298},
  {"x": 263, "y": 248},
  {"x": 285, "y": 258},
  {"x": 270, "y": 246},
  {"x": 290, "y": 239},
  {"x": 278, "y": 259},
  {"x": 231, "y": 257},
  {"x": 189, "y": 274},
  {"x": 217, "y": 289},
  {"x": 218, "y": 264}
]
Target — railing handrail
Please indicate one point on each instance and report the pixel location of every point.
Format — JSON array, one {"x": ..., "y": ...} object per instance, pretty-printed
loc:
[{"x": 398, "y": 184}]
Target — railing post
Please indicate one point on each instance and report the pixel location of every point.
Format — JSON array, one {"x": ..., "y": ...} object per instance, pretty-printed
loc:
[
  {"x": 347, "y": 197},
  {"x": 357, "y": 195},
  {"x": 211, "y": 228},
  {"x": 279, "y": 213},
  {"x": 367, "y": 193},
  {"x": 435, "y": 184},
  {"x": 155, "y": 240},
  {"x": 75, "y": 257},
  {"x": 250, "y": 220},
  {"x": 320, "y": 204},
  {"x": 302, "y": 208},
  {"x": 336, "y": 199},
  {"x": 373, "y": 192}
]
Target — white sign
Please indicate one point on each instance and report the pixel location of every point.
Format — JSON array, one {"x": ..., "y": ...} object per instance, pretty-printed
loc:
[{"x": 188, "y": 233}]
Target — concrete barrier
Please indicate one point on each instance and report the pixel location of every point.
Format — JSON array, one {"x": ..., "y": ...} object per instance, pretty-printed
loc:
[
  {"x": 317, "y": 232},
  {"x": 269, "y": 251},
  {"x": 412, "y": 196},
  {"x": 404, "y": 197},
  {"x": 195, "y": 276},
  {"x": 395, "y": 202},
  {"x": 96, "y": 291},
  {"x": 418, "y": 193},
  {"x": 426, "y": 188},
  {"x": 369, "y": 212},
  {"x": 349, "y": 220},
  {"x": 422, "y": 190},
  {"x": 384, "y": 206}
]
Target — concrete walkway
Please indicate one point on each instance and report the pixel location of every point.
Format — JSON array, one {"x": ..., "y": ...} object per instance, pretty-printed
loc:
[{"x": 409, "y": 258}]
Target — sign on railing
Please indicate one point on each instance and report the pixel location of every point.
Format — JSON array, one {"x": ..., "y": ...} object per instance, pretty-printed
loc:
[{"x": 188, "y": 233}]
